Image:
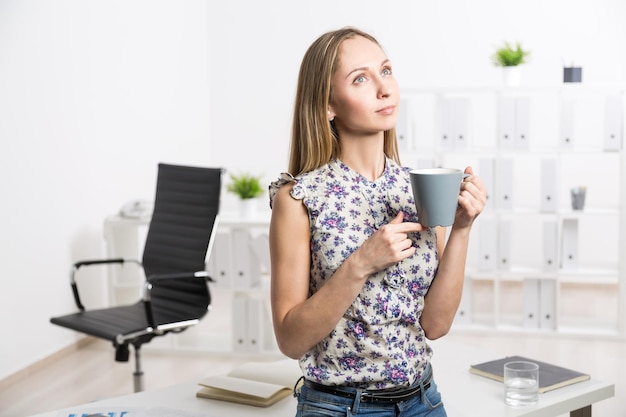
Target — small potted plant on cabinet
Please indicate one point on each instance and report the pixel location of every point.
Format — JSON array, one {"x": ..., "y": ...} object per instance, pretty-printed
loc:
[
  {"x": 510, "y": 58},
  {"x": 247, "y": 187}
]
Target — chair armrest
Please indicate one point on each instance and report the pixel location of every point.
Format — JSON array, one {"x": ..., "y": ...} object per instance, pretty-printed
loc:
[
  {"x": 176, "y": 297},
  {"x": 77, "y": 265}
]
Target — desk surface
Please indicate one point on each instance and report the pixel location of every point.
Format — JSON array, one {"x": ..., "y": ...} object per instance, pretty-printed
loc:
[{"x": 465, "y": 395}]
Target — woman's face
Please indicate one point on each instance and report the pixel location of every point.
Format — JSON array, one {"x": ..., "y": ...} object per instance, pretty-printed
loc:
[{"x": 364, "y": 98}]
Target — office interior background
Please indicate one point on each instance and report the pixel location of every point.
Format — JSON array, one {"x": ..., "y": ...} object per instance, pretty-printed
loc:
[{"x": 94, "y": 94}]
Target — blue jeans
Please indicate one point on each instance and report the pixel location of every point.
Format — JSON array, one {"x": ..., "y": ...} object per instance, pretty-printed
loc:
[{"x": 312, "y": 403}]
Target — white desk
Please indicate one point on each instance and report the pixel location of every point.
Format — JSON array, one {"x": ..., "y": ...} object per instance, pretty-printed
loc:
[
  {"x": 465, "y": 395},
  {"x": 469, "y": 395}
]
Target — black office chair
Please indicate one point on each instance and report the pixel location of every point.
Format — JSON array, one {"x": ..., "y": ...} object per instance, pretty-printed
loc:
[{"x": 176, "y": 292}]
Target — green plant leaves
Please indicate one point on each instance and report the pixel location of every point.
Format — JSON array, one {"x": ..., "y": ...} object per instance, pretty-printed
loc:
[
  {"x": 509, "y": 56},
  {"x": 245, "y": 186}
]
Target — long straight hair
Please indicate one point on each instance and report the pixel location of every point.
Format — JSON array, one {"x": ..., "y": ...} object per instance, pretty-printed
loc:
[{"x": 314, "y": 140}]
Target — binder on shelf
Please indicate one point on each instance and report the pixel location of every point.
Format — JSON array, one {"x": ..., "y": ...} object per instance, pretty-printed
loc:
[
  {"x": 547, "y": 304},
  {"x": 550, "y": 247},
  {"x": 504, "y": 245},
  {"x": 255, "y": 323},
  {"x": 504, "y": 186},
  {"x": 247, "y": 270},
  {"x": 240, "y": 325},
  {"x": 461, "y": 121},
  {"x": 531, "y": 303},
  {"x": 569, "y": 244},
  {"x": 613, "y": 123},
  {"x": 260, "y": 246},
  {"x": 567, "y": 124},
  {"x": 405, "y": 126},
  {"x": 252, "y": 330},
  {"x": 549, "y": 186},
  {"x": 446, "y": 137},
  {"x": 522, "y": 123},
  {"x": 506, "y": 125},
  {"x": 488, "y": 244},
  {"x": 220, "y": 260},
  {"x": 455, "y": 123}
]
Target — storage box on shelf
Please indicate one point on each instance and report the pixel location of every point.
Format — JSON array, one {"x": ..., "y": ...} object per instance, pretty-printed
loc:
[
  {"x": 534, "y": 263},
  {"x": 239, "y": 319}
]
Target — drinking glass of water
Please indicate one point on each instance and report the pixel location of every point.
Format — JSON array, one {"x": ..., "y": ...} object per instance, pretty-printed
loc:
[{"x": 521, "y": 383}]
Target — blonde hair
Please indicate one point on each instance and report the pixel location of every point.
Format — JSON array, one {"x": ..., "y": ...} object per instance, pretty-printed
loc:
[{"x": 315, "y": 141}]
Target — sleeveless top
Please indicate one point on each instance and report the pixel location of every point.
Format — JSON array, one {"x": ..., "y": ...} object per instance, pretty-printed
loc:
[{"x": 378, "y": 343}]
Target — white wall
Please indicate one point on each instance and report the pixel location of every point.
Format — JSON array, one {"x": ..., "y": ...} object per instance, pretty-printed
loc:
[{"x": 94, "y": 93}]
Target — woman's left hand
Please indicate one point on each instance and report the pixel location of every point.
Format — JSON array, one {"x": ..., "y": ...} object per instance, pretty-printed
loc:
[{"x": 472, "y": 199}]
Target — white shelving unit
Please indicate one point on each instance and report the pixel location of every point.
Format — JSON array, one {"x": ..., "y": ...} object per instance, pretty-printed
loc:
[{"x": 534, "y": 265}]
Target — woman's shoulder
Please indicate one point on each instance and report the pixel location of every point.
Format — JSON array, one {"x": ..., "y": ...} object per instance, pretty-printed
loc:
[{"x": 299, "y": 186}]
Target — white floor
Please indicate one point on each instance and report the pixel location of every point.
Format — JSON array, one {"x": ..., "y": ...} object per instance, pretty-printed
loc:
[{"x": 90, "y": 373}]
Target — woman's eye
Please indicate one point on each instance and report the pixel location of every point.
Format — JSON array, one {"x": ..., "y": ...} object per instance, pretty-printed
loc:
[
  {"x": 386, "y": 71},
  {"x": 360, "y": 79}
]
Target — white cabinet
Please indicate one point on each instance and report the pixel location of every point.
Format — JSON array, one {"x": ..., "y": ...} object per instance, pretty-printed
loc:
[
  {"x": 534, "y": 263},
  {"x": 240, "y": 318}
]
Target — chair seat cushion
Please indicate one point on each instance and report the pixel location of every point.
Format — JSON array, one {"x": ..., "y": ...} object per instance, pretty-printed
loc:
[{"x": 106, "y": 323}]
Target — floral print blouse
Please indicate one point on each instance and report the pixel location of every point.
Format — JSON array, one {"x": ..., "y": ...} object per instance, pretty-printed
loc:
[{"x": 378, "y": 343}]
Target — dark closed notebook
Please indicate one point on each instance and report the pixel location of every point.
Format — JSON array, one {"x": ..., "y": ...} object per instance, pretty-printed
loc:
[{"x": 550, "y": 376}]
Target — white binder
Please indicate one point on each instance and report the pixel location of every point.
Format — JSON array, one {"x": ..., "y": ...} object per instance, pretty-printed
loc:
[
  {"x": 504, "y": 245},
  {"x": 531, "y": 303},
  {"x": 550, "y": 247},
  {"x": 506, "y": 125},
  {"x": 246, "y": 268},
  {"x": 547, "y": 304},
  {"x": 488, "y": 244},
  {"x": 455, "y": 123},
  {"x": 613, "y": 123},
  {"x": 240, "y": 323},
  {"x": 461, "y": 122},
  {"x": 569, "y": 244},
  {"x": 255, "y": 324},
  {"x": 522, "y": 123},
  {"x": 549, "y": 194},
  {"x": 446, "y": 135},
  {"x": 404, "y": 126},
  {"x": 567, "y": 123},
  {"x": 504, "y": 185},
  {"x": 220, "y": 260}
]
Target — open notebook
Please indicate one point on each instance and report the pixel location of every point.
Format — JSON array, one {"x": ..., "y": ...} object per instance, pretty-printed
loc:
[
  {"x": 550, "y": 376},
  {"x": 260, "y": 384}
]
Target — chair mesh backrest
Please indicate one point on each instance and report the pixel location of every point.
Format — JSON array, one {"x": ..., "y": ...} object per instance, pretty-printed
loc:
[{"x": 183, "y": 221}]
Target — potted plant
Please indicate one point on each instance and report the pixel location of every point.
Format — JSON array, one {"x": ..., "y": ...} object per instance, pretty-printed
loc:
[
  {"x": 510, "y": 58},
  {"x": 247, "y": 187}
]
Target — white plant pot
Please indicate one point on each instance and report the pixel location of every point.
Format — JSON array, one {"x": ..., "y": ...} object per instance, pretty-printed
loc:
[
  {"x": 512, "y": 76},
  {"x": 247, "y": 208}
]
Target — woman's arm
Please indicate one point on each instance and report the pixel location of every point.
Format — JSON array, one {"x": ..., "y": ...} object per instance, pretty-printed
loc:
[
  {"x": 444, "y": 295},
  {"x": 300, "y": 321}
]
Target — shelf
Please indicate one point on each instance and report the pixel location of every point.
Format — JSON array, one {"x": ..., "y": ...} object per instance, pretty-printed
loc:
[{"x": 534, "y": 264}]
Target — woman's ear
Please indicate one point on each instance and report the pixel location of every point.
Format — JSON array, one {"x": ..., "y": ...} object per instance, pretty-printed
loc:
[{"x": 331, "y": 114}]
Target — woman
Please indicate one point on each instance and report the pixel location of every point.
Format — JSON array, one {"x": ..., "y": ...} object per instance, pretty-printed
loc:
[{"x": 357, "y": 284}]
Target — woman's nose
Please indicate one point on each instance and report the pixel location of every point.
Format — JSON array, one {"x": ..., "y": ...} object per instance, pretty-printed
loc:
[{"x": 384, "y": 89}]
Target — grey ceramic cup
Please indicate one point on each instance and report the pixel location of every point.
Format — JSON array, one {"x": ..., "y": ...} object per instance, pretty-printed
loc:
[{"x": 436, "y": 192}]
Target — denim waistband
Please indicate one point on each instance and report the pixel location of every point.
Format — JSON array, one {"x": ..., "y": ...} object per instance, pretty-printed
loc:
[{"x": 389, "y": 396}]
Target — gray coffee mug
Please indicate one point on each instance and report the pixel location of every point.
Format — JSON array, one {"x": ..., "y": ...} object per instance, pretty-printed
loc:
[{"x": 436, "y": 192}]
